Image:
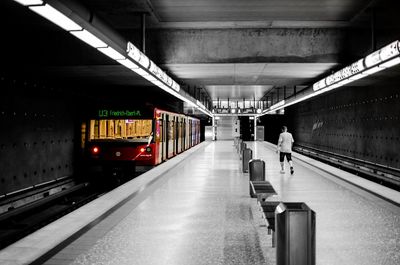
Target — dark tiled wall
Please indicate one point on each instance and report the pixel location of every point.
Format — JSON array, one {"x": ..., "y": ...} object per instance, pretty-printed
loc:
[
  {"x": 359, "y": 122},
  {"x": 37, "y": 135}
]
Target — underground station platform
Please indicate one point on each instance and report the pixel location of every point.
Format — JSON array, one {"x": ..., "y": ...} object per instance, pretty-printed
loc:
[{"x": 200, "y": 208}]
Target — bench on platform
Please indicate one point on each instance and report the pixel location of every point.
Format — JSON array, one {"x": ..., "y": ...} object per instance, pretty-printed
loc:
[
  {"x": 268, "y": 213},
  {"x": 268, "y": 201},
  {"x": 261, "y": 190}
]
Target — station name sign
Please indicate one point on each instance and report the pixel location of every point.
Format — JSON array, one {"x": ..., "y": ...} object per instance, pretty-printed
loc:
[{"x": 104, "y": 113}]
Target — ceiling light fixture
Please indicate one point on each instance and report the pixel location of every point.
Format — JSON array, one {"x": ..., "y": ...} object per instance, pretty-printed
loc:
[
  {"x": 136, "y": 61},
  {"x": 112, "y": 53},
  {"x": 56, "y": 17},
  {"x": 29, "y": 2},
  {"x": 377, "y": 61},
  {"x": 128, "y": 64},
  {"x": 89, "y": 38}
]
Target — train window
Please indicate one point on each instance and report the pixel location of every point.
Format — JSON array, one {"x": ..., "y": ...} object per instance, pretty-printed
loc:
[
  {"x": 159, "y": 131},
  {"x": 120, "y": 129},
  {"x": 171, "y": 130}
]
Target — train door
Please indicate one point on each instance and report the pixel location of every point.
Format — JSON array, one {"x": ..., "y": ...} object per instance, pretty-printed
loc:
[
  {"x": 171, "y": 136},
  {"x": 190, "y": 134},
  {"x": 184, "y": 133},
  {"x": 159, "y": 139},
  {"x": 187, "y": 133},
  {"x": 166, "y": 139},
  {"x": 179, "y": 138},
  {"x": 176, "y": 143}
]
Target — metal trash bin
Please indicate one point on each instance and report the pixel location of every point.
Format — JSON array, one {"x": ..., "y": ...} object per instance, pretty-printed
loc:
[
  {"x": 295, "y": 234},
  {"x": 247, "y": 155},
  {"x": 257, "y": 169},
  {"x": 256, "y": 172}
]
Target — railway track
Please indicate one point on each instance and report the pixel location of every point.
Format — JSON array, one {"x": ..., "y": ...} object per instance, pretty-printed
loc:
[
  {"x": 21, "y": 221},
  {"x": 25, "y": 211},
  {"x": 381, "y": 174}
]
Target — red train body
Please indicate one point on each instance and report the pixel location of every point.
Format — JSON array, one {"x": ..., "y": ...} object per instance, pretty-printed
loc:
[{"x": 118, "y": 139}]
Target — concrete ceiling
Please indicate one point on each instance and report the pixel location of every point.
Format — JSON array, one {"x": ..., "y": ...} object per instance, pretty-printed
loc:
[
  {"x": 238, "y": 77},
  {"x": 256, "y": 10},
  {"x": 247, "y": 80},
  {"x": 170, "y": 13},
  {"x": 241, "y": 79}
]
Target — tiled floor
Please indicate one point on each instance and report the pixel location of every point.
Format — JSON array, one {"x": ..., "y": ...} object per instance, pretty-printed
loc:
[{"x": 200, "y": 213}]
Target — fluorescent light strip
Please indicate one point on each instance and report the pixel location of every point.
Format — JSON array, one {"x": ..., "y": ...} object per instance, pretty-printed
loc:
[
  {"x": 89, "y": 38},
  {"x": 141, "y": 72},
  {"x": 356, "y": 77},
  {"x": 372, "y": 70},
  {"x": 386, "y": 57},
  {"x": 200, "y": 104},
  {"x": 67, "y": 24},
  {"x": 277, "y": 105},
  {"x": 128, "y": 64},
  {"x": 206, "y": 112},
  {"x": 56, "y": 17},
  {"x": 192, "y": 104},
  {"x": 150, "y": 78},
  {"x": 113, "y": 54},
  {"x": 29, "y": 2},
  {"x": 390, "y": 63},
  {"x": 143, "y": 60}
]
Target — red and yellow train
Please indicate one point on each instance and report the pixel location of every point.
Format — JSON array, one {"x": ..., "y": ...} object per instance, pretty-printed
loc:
[{"x": 134, "y": 138}]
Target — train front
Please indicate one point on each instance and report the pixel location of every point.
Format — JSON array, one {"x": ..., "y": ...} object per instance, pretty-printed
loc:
[{"x": 120, "y": 141}]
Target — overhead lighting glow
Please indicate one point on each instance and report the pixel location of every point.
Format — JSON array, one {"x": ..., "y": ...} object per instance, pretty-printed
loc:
[
  {"x": 56, "y": 17},
  {"x": 140, "y": 63},
  {"x": 192, "y": 104},
  {"x": 200, "y": 104},
  {"x": 372, "y": 70},
  {"x": 133, "y": 51},
  {"x": 277, "y": 105},
  {"x": 390, "y": 63},
  {"x": 150, "y": 78},
  {"x": 89, "y": 38},
  {"x": 29, "y": 2},
  {"x": 356, "y": 77},
  {"x": 113, "y": 54},
  {"x": 140, "y": 72},
  {"x": 372, "y": 59},
  {"x": 128, "y": 63},
  {"x": 159, "y": 84}
]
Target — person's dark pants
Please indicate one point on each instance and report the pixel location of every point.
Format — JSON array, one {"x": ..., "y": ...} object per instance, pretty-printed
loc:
[{"x": 282, "y": 156}]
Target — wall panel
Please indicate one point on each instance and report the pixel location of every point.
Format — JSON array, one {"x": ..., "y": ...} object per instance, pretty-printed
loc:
[
  {"x": 358, "y": 122},
  {"x": 37, "y": 136}
]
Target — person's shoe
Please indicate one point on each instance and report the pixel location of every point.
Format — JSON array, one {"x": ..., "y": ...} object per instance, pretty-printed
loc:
[
  {"x": 291, "y": 170},
  {"x": 282, "y": 171}
]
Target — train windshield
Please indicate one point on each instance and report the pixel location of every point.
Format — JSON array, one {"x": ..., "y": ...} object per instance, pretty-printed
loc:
[{"x": 129, "y": 130}]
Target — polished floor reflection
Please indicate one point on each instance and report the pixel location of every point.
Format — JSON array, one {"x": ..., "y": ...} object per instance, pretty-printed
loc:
[{"x": 201, "y": 213}]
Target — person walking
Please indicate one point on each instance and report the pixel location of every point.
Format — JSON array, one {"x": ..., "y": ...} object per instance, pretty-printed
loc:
[{"x": 284, "y": 148}]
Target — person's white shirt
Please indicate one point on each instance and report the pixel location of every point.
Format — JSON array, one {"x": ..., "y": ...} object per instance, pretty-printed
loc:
[{"x": 285, "y": 142}]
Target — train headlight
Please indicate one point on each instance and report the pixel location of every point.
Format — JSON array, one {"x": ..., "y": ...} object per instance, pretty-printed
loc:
[
  {"x": 142, "y": 150},
  {"x": 148, "y": 149}
]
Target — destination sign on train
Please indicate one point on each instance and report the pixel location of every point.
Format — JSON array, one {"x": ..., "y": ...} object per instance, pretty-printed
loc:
[{"x": 118, "y": 113}]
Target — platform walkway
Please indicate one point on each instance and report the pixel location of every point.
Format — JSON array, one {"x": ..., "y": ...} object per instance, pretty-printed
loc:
[{"x": 200, "y": 212}]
